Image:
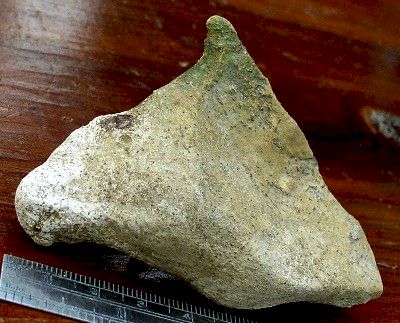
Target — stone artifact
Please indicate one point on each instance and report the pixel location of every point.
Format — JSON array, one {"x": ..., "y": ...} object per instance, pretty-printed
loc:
[{"x": 211, "y": 180}]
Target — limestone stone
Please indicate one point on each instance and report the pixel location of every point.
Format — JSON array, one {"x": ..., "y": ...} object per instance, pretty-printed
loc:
[{"x": 211, "y": 180}]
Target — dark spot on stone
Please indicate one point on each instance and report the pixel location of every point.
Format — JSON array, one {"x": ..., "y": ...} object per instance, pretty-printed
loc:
[{"x": 119, "y": 121}]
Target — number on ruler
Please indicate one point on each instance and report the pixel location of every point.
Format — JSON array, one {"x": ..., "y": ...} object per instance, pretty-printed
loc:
[
  {"x": 187, "y": 316},
  {"x": 47, "y": 278},
  {"x": 94, "y": 291},
  {"x": 121, "y": 313}
]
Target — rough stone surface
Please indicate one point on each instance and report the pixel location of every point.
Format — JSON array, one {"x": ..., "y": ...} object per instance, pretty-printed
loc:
[{"x": 211, "y": 180}]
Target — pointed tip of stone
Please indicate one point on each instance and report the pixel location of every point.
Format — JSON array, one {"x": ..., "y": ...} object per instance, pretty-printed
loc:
[
  {"x": 219, "y": 23},
  {"x": 221, "y": 33}
]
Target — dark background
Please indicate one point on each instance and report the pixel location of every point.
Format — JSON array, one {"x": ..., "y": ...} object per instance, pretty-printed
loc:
[{"x": 334, "y": 65}]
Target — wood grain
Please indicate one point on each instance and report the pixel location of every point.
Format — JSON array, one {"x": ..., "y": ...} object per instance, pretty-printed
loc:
[{"x": 332, "y": 65}]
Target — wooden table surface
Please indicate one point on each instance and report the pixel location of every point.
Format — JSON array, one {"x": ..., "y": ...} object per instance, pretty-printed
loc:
[{"x": 334, "y": 65}]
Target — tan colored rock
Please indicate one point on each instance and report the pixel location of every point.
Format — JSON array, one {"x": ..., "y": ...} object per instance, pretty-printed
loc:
[{"x": 211, "y": 180}]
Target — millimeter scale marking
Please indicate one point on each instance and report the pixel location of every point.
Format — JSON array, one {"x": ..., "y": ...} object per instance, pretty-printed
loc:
[{"x": 88, "y": 299}]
